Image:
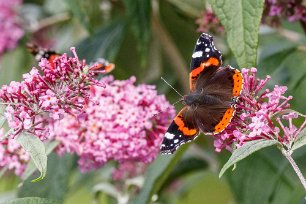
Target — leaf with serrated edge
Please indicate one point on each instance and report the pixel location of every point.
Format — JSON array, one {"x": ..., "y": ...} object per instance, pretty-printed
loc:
[
  {"x": 35, "y": 147},
  {"x": 241, "y": 19},
  {"x": 246, "y": 150},
  {"x": 300, "y": 141}
]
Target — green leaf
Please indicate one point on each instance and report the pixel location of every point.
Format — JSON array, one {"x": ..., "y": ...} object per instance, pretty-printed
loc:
[
  {"x": 49, "y": 146},
  {"x": 107, "y": 188},
  {"x": 157, "y": 173},
  {"x": 268, "y": 174},
  {"x": 286, "y": 73},
  {"x": 190, "y": 7},
  {"x": 87, "y": 12},
  {"x": 7, "y": 134},
  {"x": 104, "y": 43},
  {"x": 55, "y": 184},
  {"x": 12, "y": 69},
  {"x": 30, "y": 200},
  {"x": 300, "y": 140},
  {"x": 246, "y": 150},
  {"x": 35, "y": 147},
  {"x": 241, "y": 19},
  {"x": 184, "y": 167},
  {"x": 139, "y": 12}
]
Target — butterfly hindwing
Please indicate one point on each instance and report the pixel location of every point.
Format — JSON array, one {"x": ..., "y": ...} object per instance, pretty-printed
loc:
[
  {"x": 180, "y": 131},
  {"x": 222, "y": 87},
  {"x": 205, "y": 55}
]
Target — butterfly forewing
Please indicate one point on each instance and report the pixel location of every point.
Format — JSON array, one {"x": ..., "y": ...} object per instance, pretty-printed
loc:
[{"x": 205, "y": 55}]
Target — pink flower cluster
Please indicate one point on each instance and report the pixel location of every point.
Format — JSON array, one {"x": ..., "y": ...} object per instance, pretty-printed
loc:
[
  {"x": 11, "y": 31},
  {"x": 61, "y": 87},
  {"x": 275, "y": 10},
  {"x": 118, "y": 124},
  {"x": 208, "y": 22},
  {"x": 12, "y": 156},
  {"x": 255, "y": 114}
]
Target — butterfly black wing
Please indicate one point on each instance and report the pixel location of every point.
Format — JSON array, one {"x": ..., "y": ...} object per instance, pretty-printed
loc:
[
  {"x": 181, "y": 130},
  {"x": 205, "y": 59}
]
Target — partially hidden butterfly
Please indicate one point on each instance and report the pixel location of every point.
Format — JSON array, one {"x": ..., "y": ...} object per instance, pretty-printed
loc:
[
  {"x": 39, "y": 53},
  {"x": 210, "y": 105}
]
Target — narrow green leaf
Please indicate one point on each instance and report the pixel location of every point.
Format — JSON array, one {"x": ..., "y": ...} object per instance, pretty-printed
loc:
[
  {"x": 191, "y": 8},
  {"x": 104, "y": 43},
  {"x": 55, "y": 184},
  {"x": 139, "y": 12},
  {"x": 157, "y": 173},
  {"x": 300, "y": 141},
  {"x": 107, "y": 188},
  {"x": 49, "y": 146},
  {"x": 246, "y": 150},
  {"x": 241, "y": 19},
  {"x": 35, "y": 147},
  {"x": 31, "y": 200},
  {"x": 184, "y": 167}
]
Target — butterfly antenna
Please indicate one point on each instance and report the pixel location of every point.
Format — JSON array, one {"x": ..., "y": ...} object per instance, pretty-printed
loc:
[
  {"x": 159, "y": 112},
  {"x": 172, "y": 87},
  {"x": 156, "y": 114}
]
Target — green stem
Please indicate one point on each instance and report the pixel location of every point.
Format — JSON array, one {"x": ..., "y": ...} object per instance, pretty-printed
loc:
[
  {"x": 175, "y": 58},
  {"x": 295, "y": 167}
]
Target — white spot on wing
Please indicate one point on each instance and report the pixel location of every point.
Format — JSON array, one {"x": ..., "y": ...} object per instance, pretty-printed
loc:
[
  {"x": 176, "y": 141},
  {"x": 197, "y": 54},
  {"x": 207, "y": 50},
  {"x": 169, "y": 136}
]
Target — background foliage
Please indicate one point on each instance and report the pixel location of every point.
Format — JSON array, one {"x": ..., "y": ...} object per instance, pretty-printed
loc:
[{"x": 150, "y": 39}]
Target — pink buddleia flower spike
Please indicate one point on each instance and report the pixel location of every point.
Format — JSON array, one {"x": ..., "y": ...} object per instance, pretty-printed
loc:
[
  {"x": 12, "y": 156},
  {"x": 11, "y": 30},
  {"x": 259, "y": 115},
  {"x": 292, "y": 10},
  {"x": 117, "y": 125},
  {"x": 63, "y": 87},
  {"x": 208, "y": 22}
]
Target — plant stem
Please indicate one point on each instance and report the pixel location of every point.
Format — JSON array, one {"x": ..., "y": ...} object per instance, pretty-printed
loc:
[
  {"x": 287, "y": 154},
  {"x": 175, "y": 58},
  {"x": 51, "y": 21}
]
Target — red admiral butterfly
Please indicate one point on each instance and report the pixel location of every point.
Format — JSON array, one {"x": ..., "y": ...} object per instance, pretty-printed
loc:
[
  {"x": 210, "y": 105},
  {"x": 39, "y": 53}
]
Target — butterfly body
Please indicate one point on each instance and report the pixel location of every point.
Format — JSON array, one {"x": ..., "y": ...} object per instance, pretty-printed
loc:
[{"x": 210, "y": 105}]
